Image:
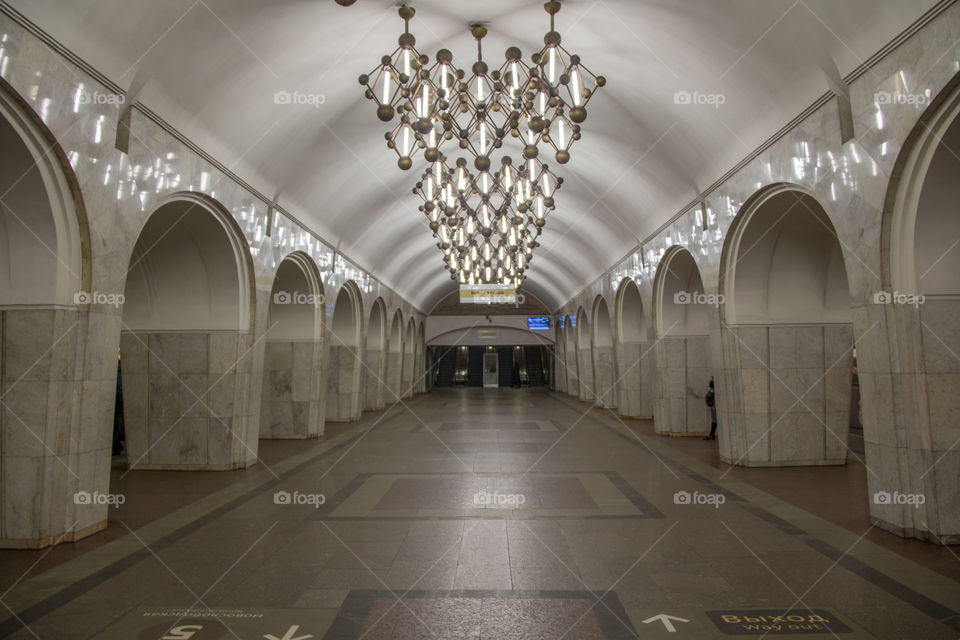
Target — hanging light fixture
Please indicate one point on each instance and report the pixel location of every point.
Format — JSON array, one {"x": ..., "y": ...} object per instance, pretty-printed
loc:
[{"x": 486, "y": 223}]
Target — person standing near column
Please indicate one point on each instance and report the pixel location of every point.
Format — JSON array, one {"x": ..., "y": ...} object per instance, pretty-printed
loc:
[{"x": 711, "y": 400}]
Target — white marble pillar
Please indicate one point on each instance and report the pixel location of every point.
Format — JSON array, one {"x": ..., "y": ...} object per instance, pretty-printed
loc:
[
  {"x": 586, "y": 386},
  {"x": 909, "y": 379},
  {"x": 559, "y": 371},
  {"x": 783, "y": 397},
  {"x": 344, "y": 384},
  {"x": 406, "y": 381},
  {"x": 630, "y": 375},
  {"x": 58, "y": 386},
  {"x": 683, "y": 369},
  {"x": 191, "y": 399},
  {"x": 604, "y": 375},
  {"x": 374, "y": 372},
  {"x": 292, "y": 404},
  {"x": 394, "y": 376}
]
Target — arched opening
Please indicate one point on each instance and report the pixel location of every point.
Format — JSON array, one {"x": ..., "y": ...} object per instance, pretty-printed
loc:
[
  {"x": 681, "y": 322},
  {"x": 186, "y": 342},
  {"x": 787, "y": 324},
  {"x": 604, "y": 368},
  {"x": 406, "y": 387},
  {"x": 572, "y": 369},
  {"x": 560, "y": 356},
  {"x": 39, "y": 228},
  {"x": 292, "y": 402},
  {"x": 636, "y": 362},
  {"x": 49, "y": 315},
  {"x": 344, "y": 374},
  {"x": 682, "y": 307},
  {"x": 375, "y": 361},
  {"x": 420, "y": 359},
  {"x": 785, "y": 265},
  {"x": 395, "y": 357},
  {"x": 587, "y": 387},
  {"x": 916, "y": 308}
]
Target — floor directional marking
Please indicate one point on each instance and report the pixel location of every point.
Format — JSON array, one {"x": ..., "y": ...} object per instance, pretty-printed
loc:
[
  {"x": 667, "y": 621},
  {"x": 291, "y": 634}
]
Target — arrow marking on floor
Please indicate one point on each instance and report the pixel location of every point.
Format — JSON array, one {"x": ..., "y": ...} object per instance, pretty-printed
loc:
[
  {"x": 667, "y": 621},
  {"x": 290, "y": 634}
]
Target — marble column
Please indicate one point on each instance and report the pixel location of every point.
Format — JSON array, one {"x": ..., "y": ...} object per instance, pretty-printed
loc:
[
  {"x": 766, "y": 369},
  {"x": 344, "y": 384},
  {"x": 374, "y": 373},
  {"x": 57, "y": 390},
  {"x": 292, "y": 404},
  {"x": 909, "y": 379},
  {"x": 191, "y": 399},
  {"x": 586, "y": 387},
  {"x": 394, "y": 376},
  {"x": 604, "y": 375},
  {"x": 406, "y": 381},
  {"x": 572, "y": 372},
  {"x": 683, "y": 369},
  {"x": 649, "y": 380},
  {"x": 630, "y": 375},
  {"x": 559, "y": 371}
]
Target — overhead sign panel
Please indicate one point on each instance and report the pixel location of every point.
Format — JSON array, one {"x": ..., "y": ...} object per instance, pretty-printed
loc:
[
  {"x": 488, "y": 294},
  {"x": 538, "y": 323}
]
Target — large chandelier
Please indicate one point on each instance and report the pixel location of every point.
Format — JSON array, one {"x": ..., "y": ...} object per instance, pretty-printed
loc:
[{"x": 486, "y": 222}]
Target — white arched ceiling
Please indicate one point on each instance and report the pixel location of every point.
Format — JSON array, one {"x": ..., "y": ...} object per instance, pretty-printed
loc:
[
  {"x": 187, "y": 272},
  {"x": 936, "y": 252},
  {"x": 602, "y": 329},
  {"x": 296, "y": 300},
  {"x": 212, "y": 69},
  {"x": 39, "y": 231},
  {"x": 678, "y": 291},
  {"x": 787, "y": 265},
  {"x": 631, "y": 321}
]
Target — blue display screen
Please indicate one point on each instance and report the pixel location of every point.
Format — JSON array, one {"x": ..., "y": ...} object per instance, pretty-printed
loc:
[
  {"x": 562, "y": 321},
  {"x": 538, "y": 323}
]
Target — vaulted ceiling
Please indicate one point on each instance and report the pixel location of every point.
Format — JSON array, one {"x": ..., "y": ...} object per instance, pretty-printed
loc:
[{"x": 211, "y": 68}]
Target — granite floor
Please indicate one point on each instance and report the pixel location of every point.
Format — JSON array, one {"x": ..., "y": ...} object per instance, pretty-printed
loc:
[{"x": 474, "y": 513}]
